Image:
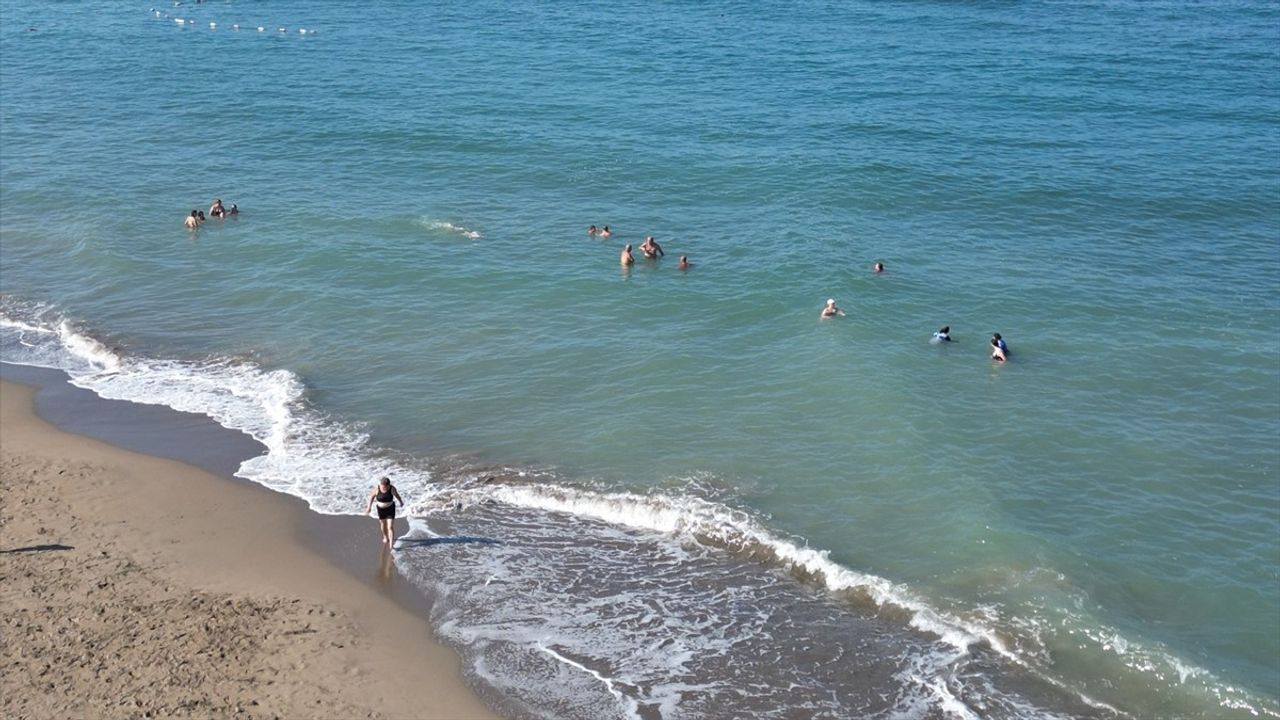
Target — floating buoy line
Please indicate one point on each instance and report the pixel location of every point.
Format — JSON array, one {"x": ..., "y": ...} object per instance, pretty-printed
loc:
[{"x": 234, "y": 27}]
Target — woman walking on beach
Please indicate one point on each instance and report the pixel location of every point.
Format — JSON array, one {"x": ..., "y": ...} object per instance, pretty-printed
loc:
[{"x": 386, "y": 495}]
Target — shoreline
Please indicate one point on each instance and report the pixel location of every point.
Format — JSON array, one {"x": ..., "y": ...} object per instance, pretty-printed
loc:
[{"x": 141, "y": 586}]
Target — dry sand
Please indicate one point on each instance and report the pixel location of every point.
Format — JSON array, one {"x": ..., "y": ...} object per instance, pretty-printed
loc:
[{"x": 132, "y": 586}]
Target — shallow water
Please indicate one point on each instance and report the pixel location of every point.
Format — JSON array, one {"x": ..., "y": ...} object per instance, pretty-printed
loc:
[{"x": 410, "y": 289}]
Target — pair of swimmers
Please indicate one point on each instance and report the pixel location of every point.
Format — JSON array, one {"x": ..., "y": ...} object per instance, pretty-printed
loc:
[
  {"x": 216, "y": 209},
  {"x": 603, "y": 232},
  {"x": 652, "y": 251},
  {"x": 999, "y": 348}
]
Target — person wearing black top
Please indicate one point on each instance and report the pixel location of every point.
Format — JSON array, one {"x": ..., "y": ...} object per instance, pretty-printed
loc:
[{"x": 386, "y": 495}]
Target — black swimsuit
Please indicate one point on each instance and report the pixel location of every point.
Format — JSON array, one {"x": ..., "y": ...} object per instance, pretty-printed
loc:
[{"x": 386, "y": 505}]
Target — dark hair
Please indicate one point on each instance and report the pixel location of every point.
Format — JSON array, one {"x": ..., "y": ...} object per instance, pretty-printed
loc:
[
  {"x": 995, "y": 336},
  {"x": 386, "y": 480},
  {"x": 193, "y": 213},
  {"x": 945, "y": 329}
]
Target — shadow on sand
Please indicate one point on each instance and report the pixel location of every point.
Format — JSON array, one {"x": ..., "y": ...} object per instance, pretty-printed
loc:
[{"x": 36, "y": 548}]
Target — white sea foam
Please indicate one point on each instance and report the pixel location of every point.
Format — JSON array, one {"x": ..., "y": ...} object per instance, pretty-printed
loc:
[
  {"x": 448, "y": 227},
  {"x": 327, "y": 463},
  {"x": 700, "y": 520}
]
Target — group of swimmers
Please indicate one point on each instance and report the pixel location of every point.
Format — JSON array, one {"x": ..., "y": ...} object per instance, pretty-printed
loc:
[
  {"x": 649, "y": 248},
  {"x": 999, "y": 348},
  {"x": 197, "y": 217}
]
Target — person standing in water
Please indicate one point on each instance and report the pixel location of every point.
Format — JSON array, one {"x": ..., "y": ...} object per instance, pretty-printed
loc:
[
  {"x": 193, "y": 220},
  {"x": 216, "y": 209},
  {"x": 999, "y": 348},
  {"x": 831, "y": 310},
  {"x": 625, "y": 258},
  {"x": 651, "y": 249},
  {"x": 386, "y": 496}
]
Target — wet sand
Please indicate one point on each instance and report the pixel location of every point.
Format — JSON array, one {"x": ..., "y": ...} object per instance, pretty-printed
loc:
[{"x": 137, "y": 586}]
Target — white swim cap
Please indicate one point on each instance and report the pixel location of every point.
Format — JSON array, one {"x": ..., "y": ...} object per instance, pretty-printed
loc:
[{"x": 831, "y": 301}]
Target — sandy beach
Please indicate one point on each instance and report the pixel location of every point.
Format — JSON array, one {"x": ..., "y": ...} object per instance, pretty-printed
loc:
[{"x": 135, "y": 586}]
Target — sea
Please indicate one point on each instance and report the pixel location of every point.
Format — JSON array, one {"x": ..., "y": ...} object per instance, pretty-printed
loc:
[{"x": 648, "y": 492}]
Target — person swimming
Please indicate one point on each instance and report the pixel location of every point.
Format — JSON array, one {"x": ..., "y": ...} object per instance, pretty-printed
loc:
[
  {"x": 193, "y": 220},
  {"x": 233, "y": 211},
  {"x": 943, "y": 335},
  {"x": 831, "y": 310},
  {"x": 216, "y": 209},
  {"x": 684, "y": 263},
  {"x": 625, "y": 258},
  {"x": 592, "y": 231},
  {"x": 878, "y": 267},
  {"x": 605, "y": 231},
  {"x": 999, "y": 348},
  {"x": 651, "y": 249}
]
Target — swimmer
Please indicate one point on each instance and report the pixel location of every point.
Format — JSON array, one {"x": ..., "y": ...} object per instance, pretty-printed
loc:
[
  {"x": 878, "y": 267},
  {"x": 605, "y": 231},
  {"x": 943, "y": 335},
  {"x": 592, "y": 231},
  {"x": 684, "y": 263},
  {"x": 625, "y": 258},
  {"x": 233, "y": 211},
  {"x": 193, "y": 220},
  {"x": 651, "y": 249},
  {"x": 999, "y": 348},
  {"x": 216, "y": 209},
  {"x": 831, "y": 309},
  {"x": 385, "y": 494},
  {"x": 200, "y": 216}
]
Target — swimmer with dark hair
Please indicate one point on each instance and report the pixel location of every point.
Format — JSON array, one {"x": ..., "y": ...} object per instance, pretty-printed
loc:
[
  {"x": 193, "y": 220},
  {"x": 605, "y": 231},
  {"x": 999, "y": 348},
  {"x": 943, "y": 335},
  {"x": 592, "y": 231},
  {"x": 878, "y": 267},
  {"x": 684, "y": 263}
]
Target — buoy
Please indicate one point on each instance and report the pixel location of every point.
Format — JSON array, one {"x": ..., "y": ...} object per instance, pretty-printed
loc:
[
  {"x": 261, "y": 29},
  {"x": 213, "y": 24},
  {"x": 281, "y": 29},
  {"x": 235, "y": 26}
]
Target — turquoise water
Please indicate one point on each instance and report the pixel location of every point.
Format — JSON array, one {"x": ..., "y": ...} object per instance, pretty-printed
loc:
[{"x": 1096, "y": 181}]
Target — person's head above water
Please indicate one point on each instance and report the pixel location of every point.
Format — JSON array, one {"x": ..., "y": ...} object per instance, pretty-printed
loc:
[
  {"x": 995, "y": 336},
  {"x": 879, "y": 266},
  {"x": 946, "y": 329}
]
